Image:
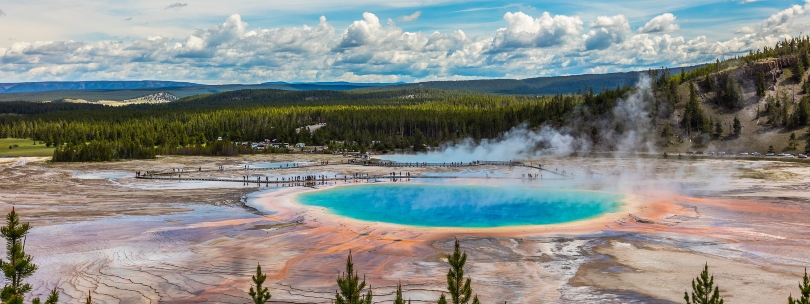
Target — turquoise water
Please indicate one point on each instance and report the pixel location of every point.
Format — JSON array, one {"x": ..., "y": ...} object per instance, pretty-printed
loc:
[{"x": 461, "y": 206}]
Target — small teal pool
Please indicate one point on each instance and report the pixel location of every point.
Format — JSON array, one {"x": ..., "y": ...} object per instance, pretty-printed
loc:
[{"x": 461, "y": 206}]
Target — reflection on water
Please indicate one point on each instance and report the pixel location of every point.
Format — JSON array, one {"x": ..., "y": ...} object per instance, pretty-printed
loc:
[
  {"x": 461, "y": 205},
  {"x": 103, "y": 175}
]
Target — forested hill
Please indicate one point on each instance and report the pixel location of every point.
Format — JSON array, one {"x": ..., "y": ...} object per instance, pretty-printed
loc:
[
  {"x": 122, "y": 90},
  {"x": 280, "y": 97},
  {"x": 384, "y": 119},
  {"x": 76, "y": 91},
  {"x": 541, "y": 85},
  {"x": 333, "y": 86},
  {"x": 26, "y": 87}
]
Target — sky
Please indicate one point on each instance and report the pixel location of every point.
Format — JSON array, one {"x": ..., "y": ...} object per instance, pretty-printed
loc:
[{"x": 255, "y": 41}]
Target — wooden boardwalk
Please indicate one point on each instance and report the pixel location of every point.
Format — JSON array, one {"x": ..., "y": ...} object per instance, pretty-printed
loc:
[
  {"x": 440, "y": 165},
  {"x": 177, "y": 174},
  {"x": 259, "y": 180},
  {"x": 242, "y": 169},
  {"x": 392, "y": 164}
]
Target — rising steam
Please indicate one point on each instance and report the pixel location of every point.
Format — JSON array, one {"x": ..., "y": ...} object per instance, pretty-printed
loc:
[{"x": 522, "y": 143}]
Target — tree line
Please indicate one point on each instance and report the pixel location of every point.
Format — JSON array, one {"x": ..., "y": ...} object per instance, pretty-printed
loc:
[{"x": 436, "y": 117}]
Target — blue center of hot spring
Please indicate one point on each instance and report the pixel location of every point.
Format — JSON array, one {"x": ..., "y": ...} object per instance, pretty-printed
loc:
[{"x": 461, "y": 206}]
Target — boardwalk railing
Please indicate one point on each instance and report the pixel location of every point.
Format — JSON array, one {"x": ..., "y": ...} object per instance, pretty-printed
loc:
[
  {"x": 198, "y": 170},
  {"x": 169, "y": 174},
  {"x": 442, "y": 164},
  {"x": 301, "y": 180}
]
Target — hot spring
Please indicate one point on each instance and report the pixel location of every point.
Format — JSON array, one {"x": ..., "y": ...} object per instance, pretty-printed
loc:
[{"x": 429, "y": 205}]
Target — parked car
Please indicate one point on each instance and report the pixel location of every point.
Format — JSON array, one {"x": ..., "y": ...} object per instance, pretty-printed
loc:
[
  {"x": 756, "y": 154},
  {"x": 802, "y": 155},
  {"x": 721, "y": 153},
  {"x": 769, "y": 154},
  {"x": 744, "y": 154},
  {"x": 790, "y": 156},
  {"x": 710, "y": 153}
]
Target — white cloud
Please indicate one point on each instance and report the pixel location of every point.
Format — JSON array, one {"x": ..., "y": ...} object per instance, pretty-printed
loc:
[
  {"x": 176, "y": 5},
  {"x": 411, "y": 17},
  {"x": 778, "y": 25},
  {"x": 661, "y": 23},
  {"x": 618, "y": 21},
  {"x": 606, "y": 31},
  {"x": 2, "y": 13},
  {"x": 363, "y": 32},
  {"x": 745, "y": 30},
  {"x": 371, "y": 49},
  {"x": 524, "y": 31},
  {"x": 748, "y": 1},
  {"x": 783, "y": 17}
]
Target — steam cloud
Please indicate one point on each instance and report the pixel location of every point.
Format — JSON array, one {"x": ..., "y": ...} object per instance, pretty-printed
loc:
[
  {"x": 620, "y": 174},
  {"x": 522, "y": 143}
]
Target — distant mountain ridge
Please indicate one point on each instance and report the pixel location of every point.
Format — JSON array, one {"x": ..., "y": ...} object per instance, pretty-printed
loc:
[
  {"x": 27, "y": 87},
  {"x": 122, "y": 90},
  {"x": 336, "y": 85},
  {"x": 550, "y": 85}
]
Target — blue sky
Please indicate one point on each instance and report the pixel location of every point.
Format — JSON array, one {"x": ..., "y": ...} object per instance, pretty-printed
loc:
[{"x": 376, "y": 41}]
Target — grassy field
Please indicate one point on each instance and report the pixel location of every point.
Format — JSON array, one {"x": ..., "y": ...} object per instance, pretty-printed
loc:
[{"x": 26, "y": 148}]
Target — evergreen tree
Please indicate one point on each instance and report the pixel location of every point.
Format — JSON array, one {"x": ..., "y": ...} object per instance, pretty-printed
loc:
[
  {"x": 804, "y": 289},
  {"x": 459, "y": 288},
  {"x": 351, "y": 287},
  {"x": 418, "y": 141},
  {"x": 806, "y": 59},
  {"x": 260, "y": 295},
  {"x": 807, "y": 143},
  {"x": 798, "y": 70},
  {"x": 802, "y": 113},
  {"x": 53, "y": 297},
  {"x": 693, "y": 117},
  {"x": 737, "y": 126},
  {"x": 761, "y": 84},
  {"x": 770, "y": 149},
  {"x": 707, "y": 127},
  {"x": 729, "y": 93},
  {"x": 19, "y": 264},
  {"x": 785, "y": 112},
  {"x": 666, "y": 132},
  {"x": 399, "y": 299},
  {"x": 709, "y": 82},
  {"x": 792, "y": 141},
  {"x": 718, "y": 129},
  {"x": 807, "y": 85},
  {"x": 702, "y": 289}
]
